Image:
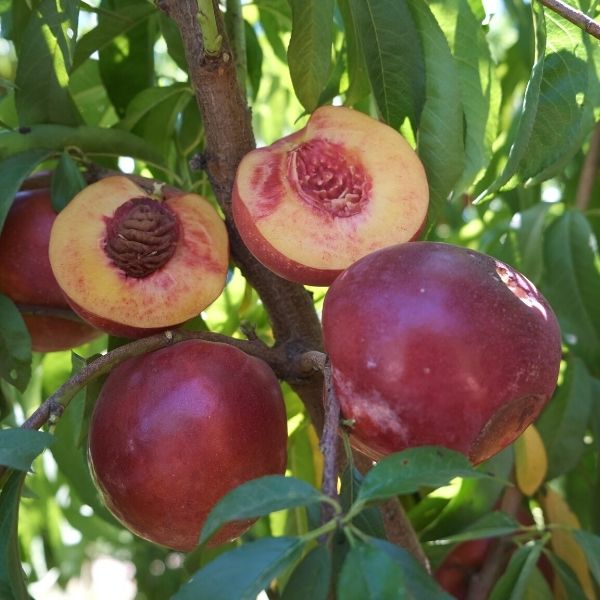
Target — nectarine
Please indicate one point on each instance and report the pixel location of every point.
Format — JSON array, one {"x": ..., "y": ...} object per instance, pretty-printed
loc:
[
  {"x": 174, "y": 430},
  {"x": 314, "y": 202},
  {"x": 436, "y": 344},
  {"x": 26, "y": 276},
  {"x": 132, "y": 265}
]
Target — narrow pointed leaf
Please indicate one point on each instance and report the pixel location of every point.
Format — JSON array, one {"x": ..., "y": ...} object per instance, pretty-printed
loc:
[
  {"x": 244, "y": 572},
  {"x": 15, "y": 345},
  {"x": 260, "y": 497},
  {"x": 311, "y": 578},
  {"x": 18, "y": 447}
]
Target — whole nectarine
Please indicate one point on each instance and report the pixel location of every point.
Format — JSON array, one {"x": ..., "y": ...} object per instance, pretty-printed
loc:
[
  {"x": 314, "y": 202},
  {"x": 26, "y": 276},
  {"x": 131, "y": 264},
  {"x": 432, "y": 343},
  {"x": 174, "y": 430}
]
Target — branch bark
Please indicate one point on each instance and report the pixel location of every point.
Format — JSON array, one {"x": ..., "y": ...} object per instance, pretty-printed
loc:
[
  {"x": 574, "y": 16},
  {"x": 589, "y": 172},
  {"x": 229, "y": 136}
]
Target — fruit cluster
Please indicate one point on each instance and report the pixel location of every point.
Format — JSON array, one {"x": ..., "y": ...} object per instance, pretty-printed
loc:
[{"x": 429, "y": 343}]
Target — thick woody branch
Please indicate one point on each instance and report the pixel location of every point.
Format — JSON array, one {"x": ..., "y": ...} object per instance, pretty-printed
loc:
[{"x": 229, "y": 136}]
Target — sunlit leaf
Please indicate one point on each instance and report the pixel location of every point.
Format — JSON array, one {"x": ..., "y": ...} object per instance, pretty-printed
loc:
[{"x": 531, "y": 461}]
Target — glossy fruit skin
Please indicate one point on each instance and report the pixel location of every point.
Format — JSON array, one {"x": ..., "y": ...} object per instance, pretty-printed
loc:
[
  {"x": 174, "y": 430},
  {"x": 430, "y": 346},
  {"x": 26, "y": 276}
]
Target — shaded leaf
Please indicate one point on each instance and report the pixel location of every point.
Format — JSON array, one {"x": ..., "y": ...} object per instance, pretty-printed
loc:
[
  {"x": 563, "y": 423},
  {"x": 494, "y": 524},
  {"x": 94, "y": 141},
  {"x": 18, "y": 447},
  {"x": 13, "y": 172},
  {"x": 12, "y": 582},
  {"x": 45, "y": 56},
  {"x": 243, "y": 572},
  {"x": 369, "y": 573},
  {"x": 590, "y": 544},
  {"x": 440, "y": 137},
  {"x": 67, "y": 181},
  {"x": 311, "y": 578},
  {"x": 309, "y": 52},
  {"x": 15, "y": 345},
  {"x": 405, "y": 472},
  {"x": 572, "y": 283},
  {"x": 393, "y": 56},
  {"x": 257, "y": 498},
  {"x": 515, "y": 580}
]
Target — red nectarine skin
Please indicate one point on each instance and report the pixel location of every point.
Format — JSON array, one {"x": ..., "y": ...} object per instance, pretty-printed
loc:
[
  {"x": 316, "y": 201},
  {"x": 131, "y": 264},
  {"x": 174, "y": 430},
  {"x": 436, "y": 344},
  {"x": 26, "y": 276}
]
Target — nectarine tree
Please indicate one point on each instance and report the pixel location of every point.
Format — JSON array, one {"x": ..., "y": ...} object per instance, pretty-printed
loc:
[{"x": 299, "y": 299}]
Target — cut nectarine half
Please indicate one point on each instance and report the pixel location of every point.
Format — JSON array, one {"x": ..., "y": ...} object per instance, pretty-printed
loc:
[
  {"x": 314, "y": 202},
  {"x": 131, "y": 264}
]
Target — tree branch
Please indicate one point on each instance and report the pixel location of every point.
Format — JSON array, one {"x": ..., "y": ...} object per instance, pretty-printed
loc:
[
  {"x": 589, "y": 172},
  {"x": 574, "y": 16},
  {"x": 229, "y": 137}
]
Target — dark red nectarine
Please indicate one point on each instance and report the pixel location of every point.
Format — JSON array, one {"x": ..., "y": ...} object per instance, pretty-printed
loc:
[
  {"x": 26, "y": 276},
  {"x": 314, "y": 202},
  {"x": 174, "y": 430},
  {"x": 436, "y": 344},
  {"x": 131, "y": 264}
]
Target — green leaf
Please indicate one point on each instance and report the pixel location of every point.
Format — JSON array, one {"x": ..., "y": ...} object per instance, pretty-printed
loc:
[
  {"x": 529, "y": 227},
  {"x": 407, "y": 471},
  {"x": 494, "y": 524},
  {"x": 513, "y": 583},
  {"x": 15, "y": 345},
  {"x": 388, "y": 37},
  {"x": 564, "y": 422},
  {"x": 257, "y": 498},
  {"x": 419, "y": 583},
  {"x": 369, "y": 573},
  {"x": 127, "y": 61},
  {"x": 524, "y": 121},
  {"x": 93, "y": 141},
  {"x": 572, "y": 283},
  {"x": 567, "y": 577},
  {"x": 311, "y": 578},
  {"x": 369, "y": 519},
  {"x": 18, "y": 447},
  {"x": 42, "y": 77},
  {"x": 309, "y": 52},
  {"x": 590, "y": 544},
  {"x": 12, "y": 582},
  {"x": 112, "y": 24},
  {"x": 244, "y": 572},
  {"x": 569, "y": 92},
  {"x": 67, "y": 181},
  {"x": 254, "y": 59},
  {"x": 440, "y": 137},
  {"x": 13, "y": 172},
  {"x": 359, "y": 86},
  {"x": 478, "y": 83}
]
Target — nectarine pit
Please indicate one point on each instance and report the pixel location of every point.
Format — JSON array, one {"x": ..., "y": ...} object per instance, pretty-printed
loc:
[
  {"x": 327, "y": 177},
  {"x": 141, "y": 236}
]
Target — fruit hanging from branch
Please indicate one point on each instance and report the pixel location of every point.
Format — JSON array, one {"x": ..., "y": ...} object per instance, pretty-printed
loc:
[
  {"x": 434, "y": 344},
  {"x": 26, "y": 276},
  {"x": 174, "y": 430},
  {"x": 314, "y": 202},
  {"x": 131, "y": 264}
]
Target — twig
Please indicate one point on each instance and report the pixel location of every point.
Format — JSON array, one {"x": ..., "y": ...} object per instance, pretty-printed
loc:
[
  {"x": 398, "y": 528},
  {"x": 330, "y": 441},
  {"x": 499, "y": 553},
  {"x": 574, "y": 16},
  {"x": 589, "y": 172}
]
